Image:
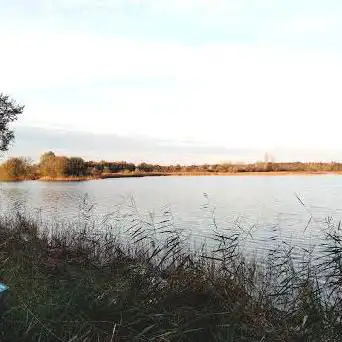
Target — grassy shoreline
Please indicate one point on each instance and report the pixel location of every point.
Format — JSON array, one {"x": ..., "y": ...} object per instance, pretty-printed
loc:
[
  {"x": 99, "y": 177},
  {"x": 52, "y": 167},
  {"x": 77, "y": 285},
  {"x": 175, "y": 174}
]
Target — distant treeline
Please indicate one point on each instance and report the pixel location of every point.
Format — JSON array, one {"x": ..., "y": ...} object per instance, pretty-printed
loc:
[{"x": 53, "y": 166}]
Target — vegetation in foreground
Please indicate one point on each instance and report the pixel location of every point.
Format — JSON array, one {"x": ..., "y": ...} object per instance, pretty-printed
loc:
[
  {"x": 81, "y": 285},
  {"x": 53, "y": 167}
]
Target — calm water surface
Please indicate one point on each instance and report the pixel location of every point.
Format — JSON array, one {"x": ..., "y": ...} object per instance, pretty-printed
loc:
[{"x": 267, "y": 207}]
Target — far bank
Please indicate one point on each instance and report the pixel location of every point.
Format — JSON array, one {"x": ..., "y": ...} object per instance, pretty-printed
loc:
[{"x": 176, "y": 174}]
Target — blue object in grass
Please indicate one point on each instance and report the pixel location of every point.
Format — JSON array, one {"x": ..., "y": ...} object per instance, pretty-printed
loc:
[{"x": 3, "y": 287}]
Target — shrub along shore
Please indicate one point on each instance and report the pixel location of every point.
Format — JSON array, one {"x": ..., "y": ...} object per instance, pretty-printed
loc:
[
  {"x": 77, "y": 284},
  {"x": 60, "y": 168}
]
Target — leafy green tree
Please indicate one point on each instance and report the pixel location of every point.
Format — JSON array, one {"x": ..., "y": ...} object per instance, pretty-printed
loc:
[
  {"x": 121, "y": 166},
  {"x": 9, "y": 111},
  {"x": 76, "y": 166},
  {"x": 144, "y": 167}
]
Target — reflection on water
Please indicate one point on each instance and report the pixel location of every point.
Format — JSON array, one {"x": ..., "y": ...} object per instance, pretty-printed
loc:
[{"x": 265, "y": 209}]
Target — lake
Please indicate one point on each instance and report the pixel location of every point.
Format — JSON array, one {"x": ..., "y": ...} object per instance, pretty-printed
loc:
[{"x": 266, "y": 209}]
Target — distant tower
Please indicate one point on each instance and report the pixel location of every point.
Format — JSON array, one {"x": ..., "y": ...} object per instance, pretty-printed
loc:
[{"x": 268, "y": 158}]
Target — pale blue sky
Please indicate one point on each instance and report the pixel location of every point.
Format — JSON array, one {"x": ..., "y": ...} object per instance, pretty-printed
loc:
[{"x": 238, "y": 76}]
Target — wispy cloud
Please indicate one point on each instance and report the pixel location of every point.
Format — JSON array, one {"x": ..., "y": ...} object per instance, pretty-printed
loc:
[{"x": 33, "y": 141}]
